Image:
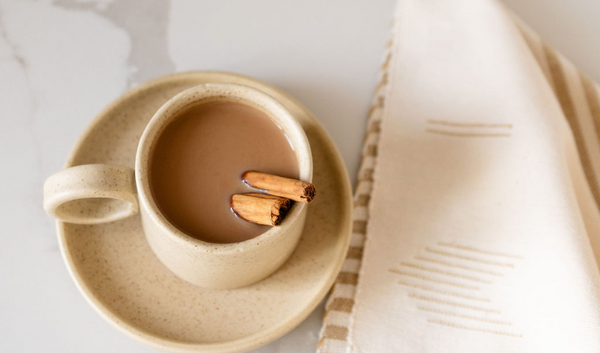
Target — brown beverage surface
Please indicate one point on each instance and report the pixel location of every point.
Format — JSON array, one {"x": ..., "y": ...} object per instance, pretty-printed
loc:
[{"x": 198, "y": 160}]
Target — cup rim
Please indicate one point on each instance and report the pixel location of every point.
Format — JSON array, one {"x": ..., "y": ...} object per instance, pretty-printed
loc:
[{"x": 193, "y": 96}]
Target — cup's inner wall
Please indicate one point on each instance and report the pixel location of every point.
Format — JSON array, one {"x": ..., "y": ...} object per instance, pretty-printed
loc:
[{"x": 205, "y": 217}]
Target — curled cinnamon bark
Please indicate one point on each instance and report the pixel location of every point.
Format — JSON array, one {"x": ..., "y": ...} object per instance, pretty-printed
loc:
[
  {"x": 292, "y": 189},
  {"x": 260, "y": 208}
]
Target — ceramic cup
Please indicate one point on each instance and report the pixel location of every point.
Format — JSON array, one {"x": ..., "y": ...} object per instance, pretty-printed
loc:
[{"x": 97, "y": 193}]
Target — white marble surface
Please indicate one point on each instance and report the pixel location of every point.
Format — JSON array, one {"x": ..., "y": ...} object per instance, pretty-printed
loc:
[{"x": 62, "y": 61}]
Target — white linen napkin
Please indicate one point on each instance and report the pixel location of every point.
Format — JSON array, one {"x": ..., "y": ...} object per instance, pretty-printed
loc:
[{"x": 477, "y": 226}]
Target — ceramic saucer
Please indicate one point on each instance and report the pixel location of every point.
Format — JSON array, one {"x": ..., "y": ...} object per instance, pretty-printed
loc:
[{"x": 119, "y": 275}]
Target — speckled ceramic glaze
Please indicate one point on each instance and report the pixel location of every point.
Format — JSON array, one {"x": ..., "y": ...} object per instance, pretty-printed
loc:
[
  {"x": 116, "y": 270},
  {"x": 91, "y": 194}
]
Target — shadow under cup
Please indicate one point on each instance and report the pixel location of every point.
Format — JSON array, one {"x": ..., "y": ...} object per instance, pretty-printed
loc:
[{"x": 199, "y": 258}]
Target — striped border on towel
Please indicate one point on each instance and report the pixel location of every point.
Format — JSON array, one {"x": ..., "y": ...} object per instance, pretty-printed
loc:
[
  {"x": 579, "y": 99},
  {"x": 336, "y": 322}
]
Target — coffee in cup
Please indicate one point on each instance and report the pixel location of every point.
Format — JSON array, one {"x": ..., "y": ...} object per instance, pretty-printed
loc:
[{"x": 183, "y": 171}]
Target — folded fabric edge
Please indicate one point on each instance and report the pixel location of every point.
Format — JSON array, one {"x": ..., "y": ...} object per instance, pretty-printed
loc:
[
  {"x": 579, "y": 99},
  {"x": 335, "y": 335}
]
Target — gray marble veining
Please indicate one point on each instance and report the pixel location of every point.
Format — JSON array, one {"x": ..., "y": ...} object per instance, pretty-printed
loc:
[
  {"x": 146, "y": 23},
  {"x": 62, "y": 61}
]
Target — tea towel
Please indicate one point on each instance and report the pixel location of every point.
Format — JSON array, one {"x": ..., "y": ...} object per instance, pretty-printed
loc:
[{"x": 476, "y": 219}]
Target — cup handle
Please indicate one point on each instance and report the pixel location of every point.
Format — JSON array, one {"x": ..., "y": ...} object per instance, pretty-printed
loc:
[{"x": 91, "y": 194}]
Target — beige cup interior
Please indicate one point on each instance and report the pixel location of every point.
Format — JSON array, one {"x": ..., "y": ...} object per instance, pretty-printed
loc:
[{"x": 229, "y": 93}]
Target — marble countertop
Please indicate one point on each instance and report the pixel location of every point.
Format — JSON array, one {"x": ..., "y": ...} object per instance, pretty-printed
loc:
[{"x": 62, "y": 61}]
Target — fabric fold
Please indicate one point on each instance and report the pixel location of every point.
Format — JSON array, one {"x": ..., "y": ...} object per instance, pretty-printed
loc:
[{"x": 476, "y": 213}]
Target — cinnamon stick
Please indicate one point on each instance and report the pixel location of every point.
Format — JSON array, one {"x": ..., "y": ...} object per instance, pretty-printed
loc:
[
  {"x": 260, "y": 208},
  {"x": 292, "y": 189}
]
